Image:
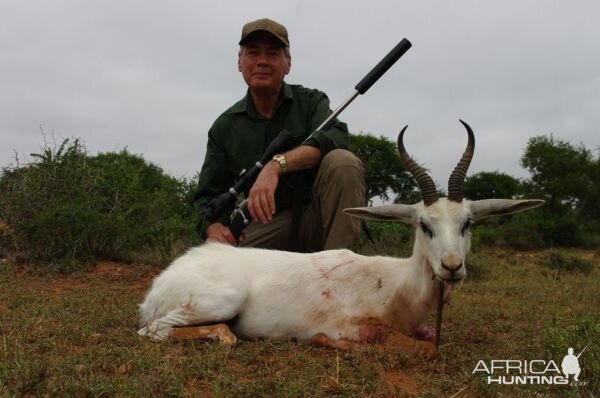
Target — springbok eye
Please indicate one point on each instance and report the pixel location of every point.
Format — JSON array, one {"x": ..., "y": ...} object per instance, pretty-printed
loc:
[
  {"x": 466, "y": 227},
  {"x": 426, "y": 230}
]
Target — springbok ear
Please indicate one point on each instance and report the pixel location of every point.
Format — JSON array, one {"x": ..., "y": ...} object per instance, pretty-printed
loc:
[
  {"x": 498, "y": 207},
  {"x": 398, "y": 213}
]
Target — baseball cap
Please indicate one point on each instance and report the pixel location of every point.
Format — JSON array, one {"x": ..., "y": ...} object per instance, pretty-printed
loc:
[{"x": 267, "y": 25}]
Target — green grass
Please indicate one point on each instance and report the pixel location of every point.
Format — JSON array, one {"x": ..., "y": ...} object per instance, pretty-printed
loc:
[{"x": 76, "y": 336}]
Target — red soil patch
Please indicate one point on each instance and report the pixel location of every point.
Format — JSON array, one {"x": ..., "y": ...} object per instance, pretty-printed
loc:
[
  {"x": 135, "y": 278},
  {"x": 129, "y": 276}
]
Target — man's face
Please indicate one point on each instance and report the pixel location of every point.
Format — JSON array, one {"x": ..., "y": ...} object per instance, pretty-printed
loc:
[{"x": 263, "y": 63}]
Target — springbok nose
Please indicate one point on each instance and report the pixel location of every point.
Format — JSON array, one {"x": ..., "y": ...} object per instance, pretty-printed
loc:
[{"x": 452, "y": 263}]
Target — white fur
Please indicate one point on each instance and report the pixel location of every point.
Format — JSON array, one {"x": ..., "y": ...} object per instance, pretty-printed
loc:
[{"x": 285, "y": 295}]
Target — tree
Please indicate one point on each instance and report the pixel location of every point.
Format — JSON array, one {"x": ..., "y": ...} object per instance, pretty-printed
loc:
[
  {"x": 384, "y": 172},
  {"x": 491, "y": 185},
  {"x": 566, "y": 175}
]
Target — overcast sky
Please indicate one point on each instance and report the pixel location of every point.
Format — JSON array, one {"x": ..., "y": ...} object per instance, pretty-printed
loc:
[{"x": 153, "y": 76}]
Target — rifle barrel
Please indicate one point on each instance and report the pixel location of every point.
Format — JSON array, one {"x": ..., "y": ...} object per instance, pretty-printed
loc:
[
  {"x": 369, "y": 79},
  {"x": 335, "y": 113}
]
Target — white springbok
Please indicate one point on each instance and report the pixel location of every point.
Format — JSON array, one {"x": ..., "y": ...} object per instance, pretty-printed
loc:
[{"x": 333, "y": 298}]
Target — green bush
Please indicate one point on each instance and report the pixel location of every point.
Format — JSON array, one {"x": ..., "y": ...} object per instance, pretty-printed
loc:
[
  {"x": 558, "y": 230},
  {"x": 499, "y": 231},
  {"x": 7, "y": 240},
  {"x": 477, "y": 267},
  {"x": 390, "y": 238},
  {"x": 564, "y": 262},
  {"x": 390, "y": 230},
  {"x": 67, "y": 206},
  {"x": 532, "y": 230}
]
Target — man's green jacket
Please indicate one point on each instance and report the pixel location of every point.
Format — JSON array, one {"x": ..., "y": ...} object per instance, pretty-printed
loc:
[{"x": 240, "y": 135}]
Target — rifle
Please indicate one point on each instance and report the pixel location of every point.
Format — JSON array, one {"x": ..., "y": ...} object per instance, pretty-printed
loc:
[{"x": 240, "y": 217}]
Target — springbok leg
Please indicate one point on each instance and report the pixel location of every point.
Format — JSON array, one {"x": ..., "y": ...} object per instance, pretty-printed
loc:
[
  {"x": 321, "y": 340},
  {"x": 220, "y": 332},
  {"x": 384, "y": 337}
]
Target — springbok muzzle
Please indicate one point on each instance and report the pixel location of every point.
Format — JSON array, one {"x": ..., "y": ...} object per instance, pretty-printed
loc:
[{"x": 452, "y": 263}]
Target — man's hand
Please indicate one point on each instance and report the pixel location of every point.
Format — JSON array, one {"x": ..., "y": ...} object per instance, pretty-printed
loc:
[
  {"x": 218, "y": 232},
  {"x": 261, "y": 198}
]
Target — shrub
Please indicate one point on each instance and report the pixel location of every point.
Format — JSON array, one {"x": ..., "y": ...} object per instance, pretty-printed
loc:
[
  {"x": 526, "y": 232},
  {"x": 477, "y": 267},
  {"x": 531, "y": 230},
  {"x": 564, "y": 262},
  {"x": 67, "y": 206},
  {"x": 390, "y": 238},
  {"x": 7, "y": 239}
]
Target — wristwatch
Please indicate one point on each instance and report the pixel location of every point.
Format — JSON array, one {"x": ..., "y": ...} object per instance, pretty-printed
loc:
[{"x": 280, "y": 158}]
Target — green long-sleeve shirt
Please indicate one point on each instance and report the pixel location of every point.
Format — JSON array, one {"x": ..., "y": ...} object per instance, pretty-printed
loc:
[{"x": 240, "y": 135}]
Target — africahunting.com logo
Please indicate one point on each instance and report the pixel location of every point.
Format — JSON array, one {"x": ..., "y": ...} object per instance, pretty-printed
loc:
[{"x": 537, "y": 371}]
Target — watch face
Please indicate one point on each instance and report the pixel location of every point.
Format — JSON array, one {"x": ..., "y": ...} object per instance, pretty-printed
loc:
[{"x": 281, "y": 160}]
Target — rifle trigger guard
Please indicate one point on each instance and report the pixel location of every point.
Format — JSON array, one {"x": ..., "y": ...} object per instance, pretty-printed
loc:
[{"x": 242, "y": 214}]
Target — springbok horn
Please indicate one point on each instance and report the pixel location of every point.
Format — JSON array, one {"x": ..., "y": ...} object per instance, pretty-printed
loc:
[
  {"x": 456, "y": 183},
  {"x": 424, "y": 181}
]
